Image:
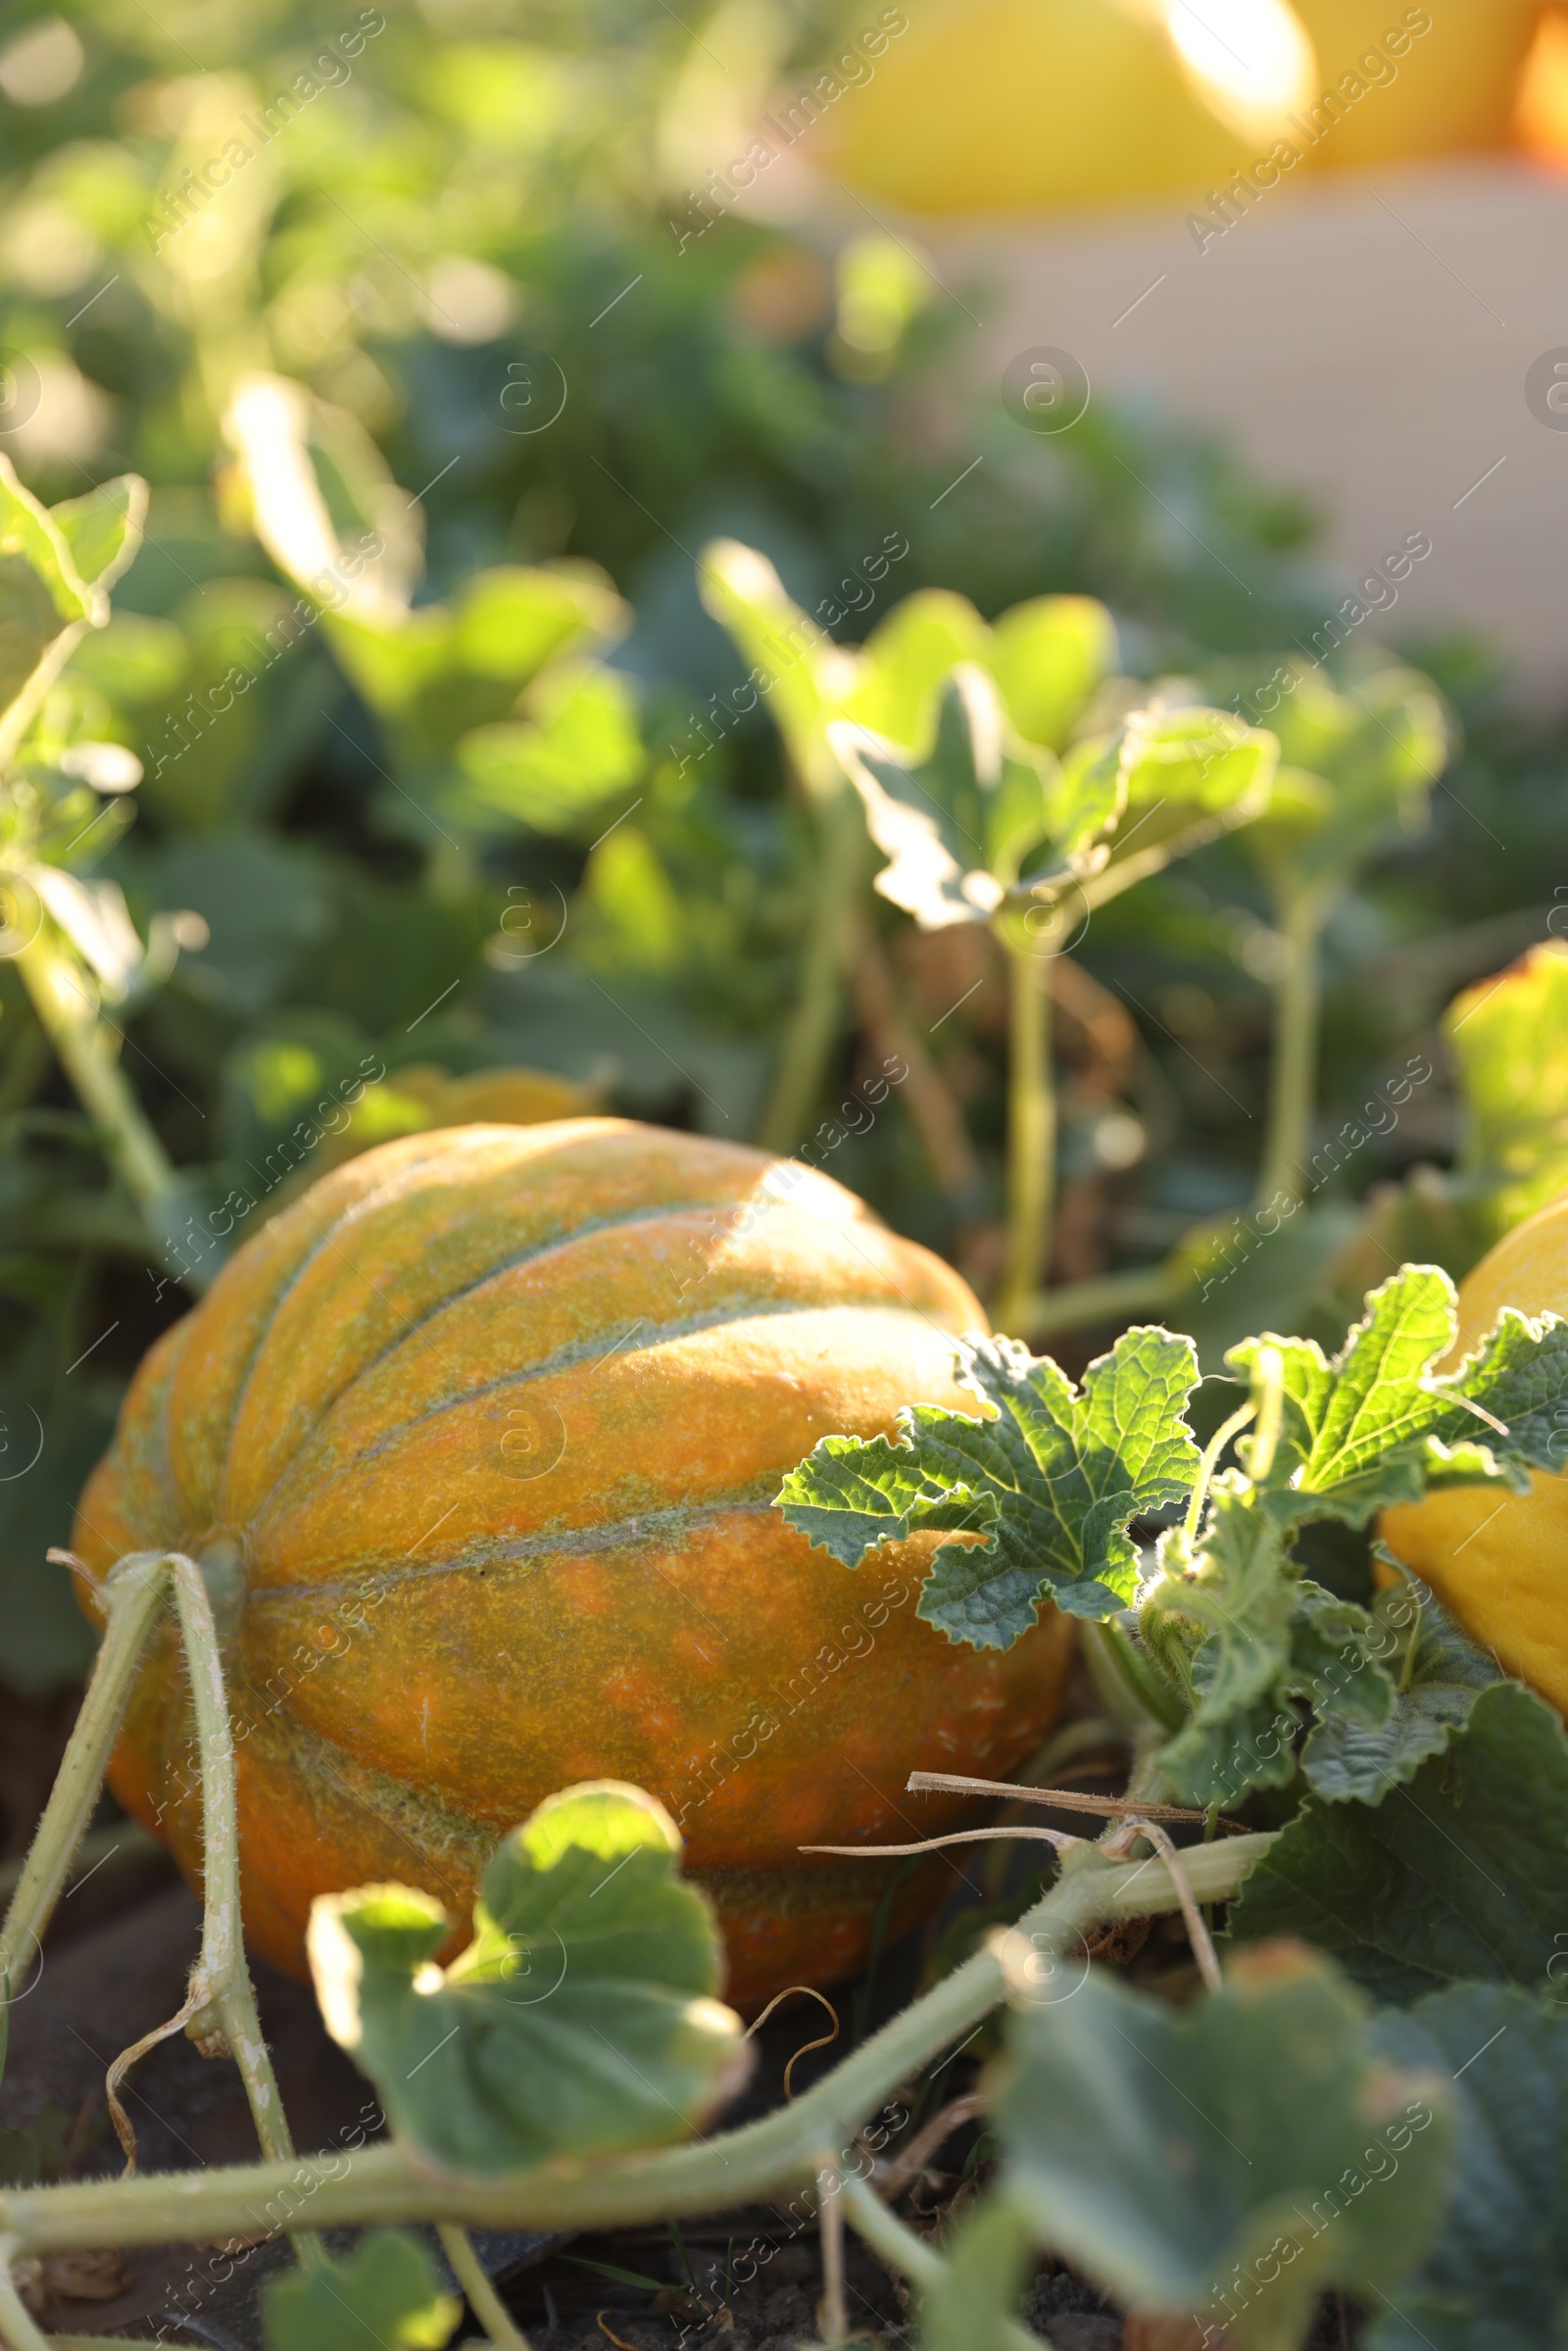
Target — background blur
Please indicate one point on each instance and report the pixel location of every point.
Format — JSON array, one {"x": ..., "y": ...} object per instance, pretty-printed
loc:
[{"x": 1205, "y": 310}]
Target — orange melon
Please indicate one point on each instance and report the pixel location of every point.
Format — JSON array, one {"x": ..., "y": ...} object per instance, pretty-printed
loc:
[{"x": 475, "y": 1446}]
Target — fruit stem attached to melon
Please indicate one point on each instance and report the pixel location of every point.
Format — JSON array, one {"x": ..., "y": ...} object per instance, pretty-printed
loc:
[
  {"x": 760, "y": 2161},
  {"x": 1031, "y": 1140}
]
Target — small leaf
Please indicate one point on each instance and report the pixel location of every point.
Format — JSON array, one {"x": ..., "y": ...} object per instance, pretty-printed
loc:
[
  {"x": 1497, "y": 2276},
  {"x": 990, "y": 2259},
  {"x": 576, "y": 743},
  {"x": 955, "y": 823},
  {"x": 1231, "y": 2159},
  {"x": 580, "y": 2020},
  {"x": 1461, "y": 1871},
  {"x": 1364, "y": 758},
  {"x": 384, "y": 2296},
  {"x": 1049, "y": 1481},
  {"x": 1185, "y": 776},
  {"x": 1348, "y": 1758},
  {"x": 1048, "y": 656},
  {"x": 104, "y": 531},
  {"x": 793, "y": 661},
  {"x": 1274, "y": 1639},
  {"x": 907, "y": 659}
]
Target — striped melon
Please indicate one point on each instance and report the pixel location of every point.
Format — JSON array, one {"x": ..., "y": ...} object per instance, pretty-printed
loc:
[{"x": 475, "y": 1446}]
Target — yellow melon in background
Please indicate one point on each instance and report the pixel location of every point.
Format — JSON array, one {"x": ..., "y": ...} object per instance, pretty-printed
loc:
[
  {"x": 1035, "y": 105},
  {"x": 1453, "y": 91},
  {"x": 1499, "y": 1560},
  {"x": 998, "y": 106}
]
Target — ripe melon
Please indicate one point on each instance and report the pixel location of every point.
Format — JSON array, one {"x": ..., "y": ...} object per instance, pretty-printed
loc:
[
  {"x": 1496, "y": 1559},
  {"x": 475, "y": 1446}
]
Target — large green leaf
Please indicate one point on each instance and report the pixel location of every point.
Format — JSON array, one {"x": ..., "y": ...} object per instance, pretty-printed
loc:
[
  {"x": 1377, "y": 1425},
  {"x": 580, "y": 2020},
  {"x": 1048, "y": 1482},
  {"x": 384, "y": 2296},
  {"x": 1231, "y": 2159},
  {"x": 1496, "y": 2275},
  {"x": 1461, "y": 1871}
]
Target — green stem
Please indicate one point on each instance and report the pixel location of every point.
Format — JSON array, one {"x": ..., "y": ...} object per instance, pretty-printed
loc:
[
  {"x": 1141, "y": 1290},
  {"x": 228, "y": 1992},
  {"x": 1031, "y": 1138},
  {"x": 486, "y": 2304},
  {"x": 132, "y": 1597},
  {"x": 1293, "y": 1082},
  {"x": 1122, "y": 1673},
  {"x": 17, "y": 2328},
  {"x": 70, "y": 1018},
  {"x": 760, "y": 2161},
  {"x": 1211, "y": 1463},
  {"x": 812, "y": 1028},
  {"x": 912, "y": 2255}
]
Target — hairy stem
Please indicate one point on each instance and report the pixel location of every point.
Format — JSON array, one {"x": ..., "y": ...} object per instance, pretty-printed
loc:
[
  {"x": 1031, "y": 1138},
  {"x": 501, "y": 2329},
  {"x": 763, "y": 2160},
  {"x": 132, "y": 1596},
  {"x": 1293, "y": 1081},
  {"x": 222, "y": 1974},
  {"x": 812, "y": 1028},
  {"x": 81, "y": 1041},
  {"x": 17, "y": 2328}
]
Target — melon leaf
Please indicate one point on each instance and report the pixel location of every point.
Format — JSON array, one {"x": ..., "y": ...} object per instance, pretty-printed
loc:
[
  {"x": 1377, "y": 1424},
  {"x": 1459, "y": 1873},
  {"x": 580, "y": 2020},
  {"x": 1348, "y": 1758},
  {"x": 1230, "y": 2158},
  {"x": 1496, "y": 2275},
  {"x": 1275, "y": 1638},
  {"x": 1047, "y": 1483},
  {"x": 385, "y": 2293}
]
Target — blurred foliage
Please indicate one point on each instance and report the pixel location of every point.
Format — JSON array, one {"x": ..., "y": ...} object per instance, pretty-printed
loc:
[{"x": 491, "y": 800}]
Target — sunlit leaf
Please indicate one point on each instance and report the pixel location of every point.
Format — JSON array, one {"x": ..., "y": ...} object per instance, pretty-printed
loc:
[
  {"x": 1185, "y": 775},
  {"x": 1047, "y": 1483},
  {"x": 384, "y": 2296},
  {"x": 955, "y": 823},
  {"x": 1377, "y": 1424},
  {"x": 1048, "y": 656},
  {"x": 580, "y": 2018}
]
